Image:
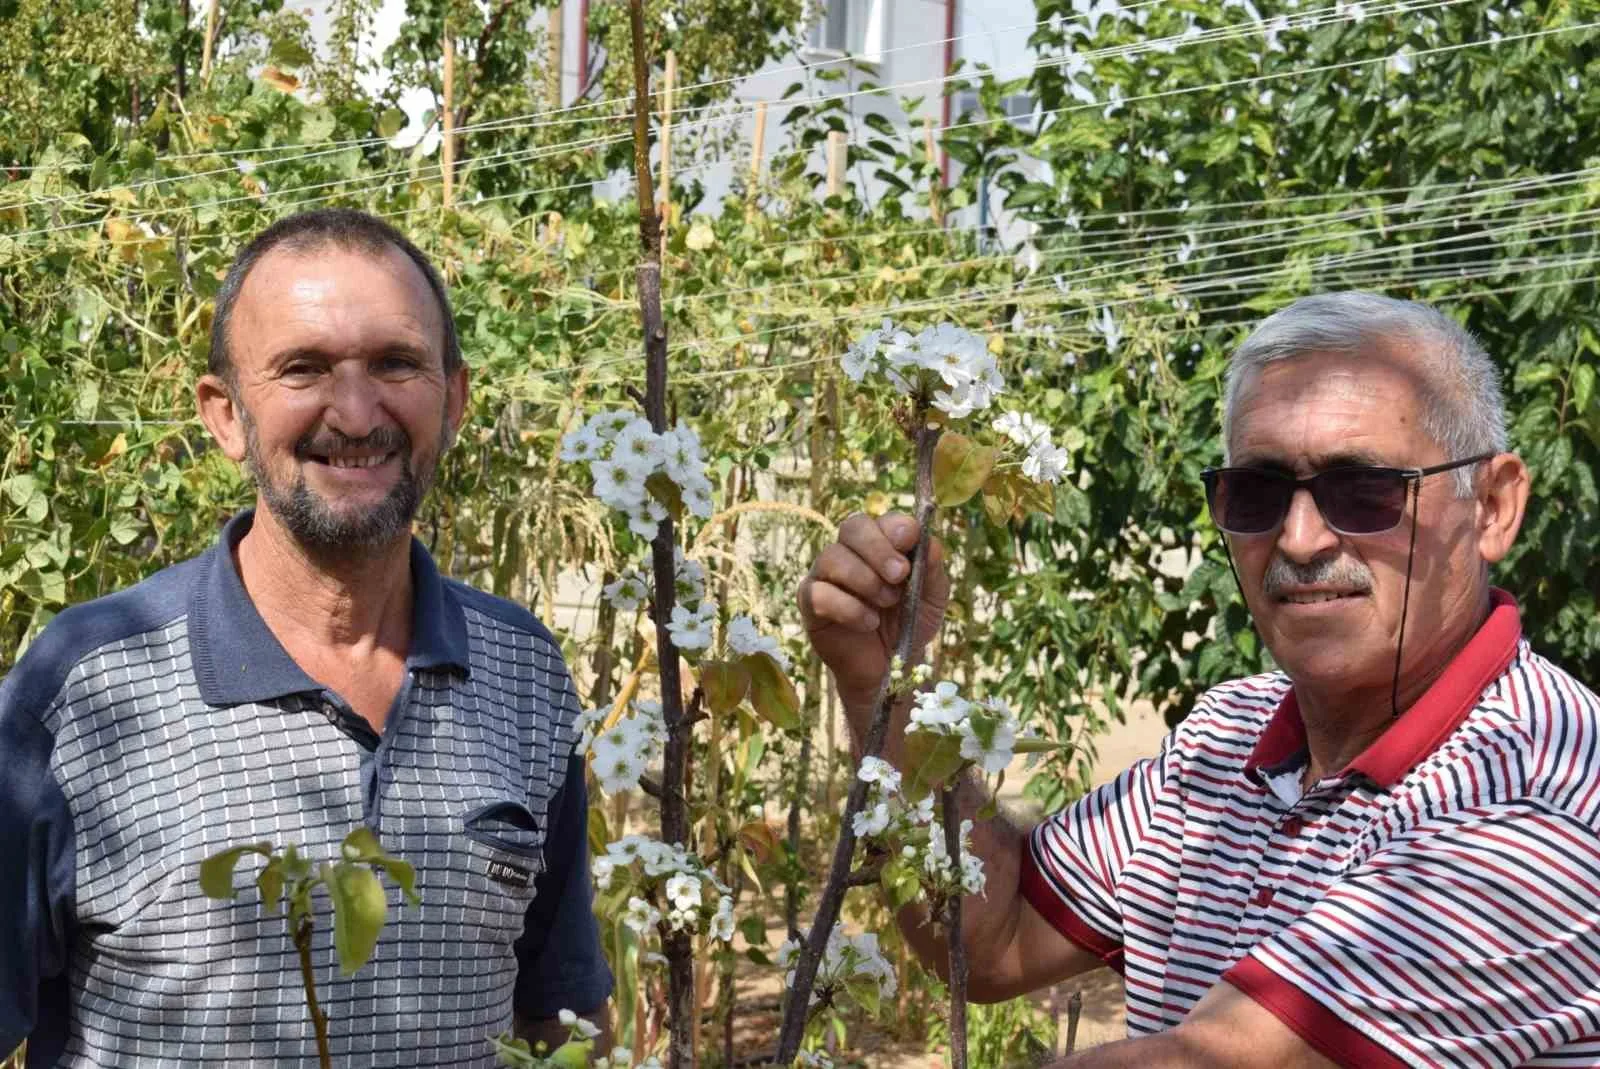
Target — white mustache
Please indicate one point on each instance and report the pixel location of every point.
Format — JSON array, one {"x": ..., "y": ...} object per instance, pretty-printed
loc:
[{"x": 1283, "y": 574}]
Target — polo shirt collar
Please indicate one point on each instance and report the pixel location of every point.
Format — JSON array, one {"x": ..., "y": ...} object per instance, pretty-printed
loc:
[
  {"x": 237, "y": 659},
  {"x": 1423, "y": 727}
]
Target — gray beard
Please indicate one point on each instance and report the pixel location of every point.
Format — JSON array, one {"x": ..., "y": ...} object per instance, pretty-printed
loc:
[{"x": 325, "y": 532}]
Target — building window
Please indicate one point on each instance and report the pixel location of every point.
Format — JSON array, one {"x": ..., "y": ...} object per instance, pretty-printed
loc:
[{"x": 848, "y": 27}]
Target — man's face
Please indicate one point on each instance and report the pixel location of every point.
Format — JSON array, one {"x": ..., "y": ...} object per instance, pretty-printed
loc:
[
  {"x": 342, "y": 398},
  {"x": 1328, "y": 605}
]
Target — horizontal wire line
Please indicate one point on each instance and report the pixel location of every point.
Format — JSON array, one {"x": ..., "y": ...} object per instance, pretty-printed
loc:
[
  {"x": 942, "y": 302},
  {"x": 1063, "y": 245},
  {"x": 810, "y": 361},
  {"x": 1198, "y": 208},
  {"x": 1315, "y": 19},
  {"x": 556, "y": 150},
  {"x": 626, "y": 102}
]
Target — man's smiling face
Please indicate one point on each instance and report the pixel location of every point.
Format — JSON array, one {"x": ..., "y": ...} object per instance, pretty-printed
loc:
[
  {"x": 342, "y": 395},
  {"x": 1329, "y": 605}
]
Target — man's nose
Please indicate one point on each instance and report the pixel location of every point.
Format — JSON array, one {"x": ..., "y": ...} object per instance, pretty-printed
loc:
[
  {"x": 355, "y": 406},
  {"x": 1305, "y": 535}
]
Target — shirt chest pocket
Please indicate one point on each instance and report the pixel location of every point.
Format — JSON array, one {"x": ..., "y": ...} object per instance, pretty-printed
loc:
[{"x": 505, "y": 845}]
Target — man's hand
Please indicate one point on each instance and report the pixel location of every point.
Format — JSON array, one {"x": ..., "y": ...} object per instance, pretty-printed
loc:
[{"x": 851, "y": 601}]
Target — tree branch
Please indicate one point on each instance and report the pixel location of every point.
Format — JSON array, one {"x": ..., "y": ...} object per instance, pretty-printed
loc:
[{"x": 811, "y": 951}]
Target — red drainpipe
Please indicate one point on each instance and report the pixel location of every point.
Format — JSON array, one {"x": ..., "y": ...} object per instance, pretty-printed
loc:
[
  {"x": 949, "y": 62},
  {"x": 583, "y": 44}
]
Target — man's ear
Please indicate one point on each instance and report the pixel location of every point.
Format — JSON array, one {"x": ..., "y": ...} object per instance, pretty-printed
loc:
[
  {"x": 455, "y": 403},
  {"x": 1503, "y": 490},
  {"x": 222, "y": 415}
]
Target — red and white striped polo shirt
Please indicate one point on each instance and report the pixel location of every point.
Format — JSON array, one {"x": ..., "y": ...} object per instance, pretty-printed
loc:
[{"x": 1435, "y": 903}]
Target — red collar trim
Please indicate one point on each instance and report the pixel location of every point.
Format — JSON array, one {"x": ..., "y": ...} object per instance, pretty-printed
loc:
[{"x": 1422, "y": 728}]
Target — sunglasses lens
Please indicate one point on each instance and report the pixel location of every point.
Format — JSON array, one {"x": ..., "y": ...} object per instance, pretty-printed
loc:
[
  {"x": 1248, "y": 502},
  {"x": 1357, "y": 501}
]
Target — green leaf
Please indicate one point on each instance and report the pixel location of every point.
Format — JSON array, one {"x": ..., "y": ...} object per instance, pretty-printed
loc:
[
  {"x": 664, "y": 490},
  {"x": 391, "y": 122},
  {"x": 287, "y": 52},
  {"x": 216, "y": 871},
  {"x": 125, "y": 528},
  {"x": 960, "y": 467},
  {"x": 932, "y": 761},
  {"x": 725, "y": 684},
  {"x": 317, "y": 126},
  {"x": 270, "y": 885},
  {"x": 361, "y": 845},
  {"x": 1027, "y": 746},
  {"x": 771, "y": 692},
  {"x": 573, "y": 1054},
  {"x": 358, "y": 911},
  {"x": 863, "y": 991},
  {"x": 1583, "y": 386}
]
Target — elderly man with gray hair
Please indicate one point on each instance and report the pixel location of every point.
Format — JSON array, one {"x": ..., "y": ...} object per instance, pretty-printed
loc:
[{"x": 1387, "y": 853}]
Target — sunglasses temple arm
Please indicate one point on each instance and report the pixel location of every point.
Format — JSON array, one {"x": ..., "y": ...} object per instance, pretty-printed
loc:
[
  {"x": 1228, "y": 552},
  {"x": 1405, "y": 602}
]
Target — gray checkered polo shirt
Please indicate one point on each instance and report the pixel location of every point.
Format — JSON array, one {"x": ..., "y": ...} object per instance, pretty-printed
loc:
[{"x": 144, "y": 731}]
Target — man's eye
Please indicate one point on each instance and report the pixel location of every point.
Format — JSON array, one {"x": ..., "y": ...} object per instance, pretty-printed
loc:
[
  {"x": 300, "y": 370},
  {"x": 397, "y": 363}
]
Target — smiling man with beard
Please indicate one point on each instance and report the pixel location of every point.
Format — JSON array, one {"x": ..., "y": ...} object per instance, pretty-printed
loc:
[
  {"x": 1385, "y": 854},
  {"x": 310, "y": 673}
]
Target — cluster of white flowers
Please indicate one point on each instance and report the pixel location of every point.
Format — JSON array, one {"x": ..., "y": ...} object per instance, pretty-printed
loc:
[
  {"x": 845, "y": 958},
  {"x": 987, "y": 729},
  {"x": 888, "y": 815},
  {"x": 744, "y": 639},
  {"x": 623, "y": 452},
  {"x": 952, "y": 364},
  {"x": 936, "y": 863},
  {"x": 1045, "y": 461},
  {"x": 686, "y": 887},
  {"x": 693, "y": 616},
  {"x": 621, "y": 753}
]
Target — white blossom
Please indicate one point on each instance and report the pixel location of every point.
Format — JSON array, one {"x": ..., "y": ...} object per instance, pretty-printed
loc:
[
  {"x": 641, "y": 916},
  {"x": 584, "y": 1028},
  {"x": 722, "y": 922},
  {"x": 744, "y": 639},
  {"x": 877, "y": 770},
  {"x": 628, "y": 592},
  {"x": 581, "y": 444},
  {"x": 691, "y": 628},
  {"x": 872, "y": 822},
  {"x": 1045, "y": 463},
  {"x": 618, "y": 485},
  {"x": 940, "y": 709}
]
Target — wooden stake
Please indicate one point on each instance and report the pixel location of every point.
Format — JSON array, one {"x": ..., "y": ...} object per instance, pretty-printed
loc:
[
  {"x": 836, "y": 157},
  {"x": 664, "y": 186},
  {"x": 210, "y": 42},
  {"x": 758, "y": 144},
  {"x": 447, "y": 149},
  {"x": 557, "y": 34},
  {"x": 935, "y": 209}
]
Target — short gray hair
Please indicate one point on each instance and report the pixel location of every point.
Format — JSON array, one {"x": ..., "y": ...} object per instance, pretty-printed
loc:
[{"x": 1462, "y": 408}]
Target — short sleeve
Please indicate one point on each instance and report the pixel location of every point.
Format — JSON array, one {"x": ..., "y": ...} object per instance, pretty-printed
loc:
[
  {"x": 560, "y": 965},
  {"x": 1074, "y": 860},
  {"x": 1471, "y": 940},
  {"x": 37, "y": 881}
]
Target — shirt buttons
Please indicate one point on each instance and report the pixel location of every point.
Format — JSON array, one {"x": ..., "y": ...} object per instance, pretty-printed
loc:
[
  {"x": 1293, "y": 826},
  {"x": 1262, "y": 897}
]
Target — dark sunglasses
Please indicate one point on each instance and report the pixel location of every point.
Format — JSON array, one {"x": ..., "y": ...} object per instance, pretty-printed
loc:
[{"x": 1354, "y": 500}]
